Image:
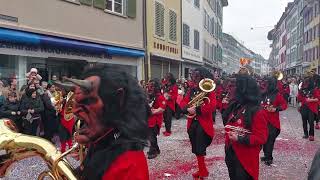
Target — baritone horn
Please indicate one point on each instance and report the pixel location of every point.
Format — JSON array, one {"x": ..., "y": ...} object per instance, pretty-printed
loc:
[{"x": 206, "y": 86}]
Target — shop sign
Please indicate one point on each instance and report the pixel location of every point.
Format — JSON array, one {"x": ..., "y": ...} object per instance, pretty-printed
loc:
[{"x": 53, "y": 52}]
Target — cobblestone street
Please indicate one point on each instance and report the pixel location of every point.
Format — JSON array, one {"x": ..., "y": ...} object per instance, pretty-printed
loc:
[{"x": 293, "y": 155}]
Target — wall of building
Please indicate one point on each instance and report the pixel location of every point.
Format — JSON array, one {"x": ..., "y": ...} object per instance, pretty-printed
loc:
[
  {"x": 209, "y": 40},
  {"x": 163, "y": 46},
  {"x": 191, "y": 16},
  {"x": 61, "y": 18}
]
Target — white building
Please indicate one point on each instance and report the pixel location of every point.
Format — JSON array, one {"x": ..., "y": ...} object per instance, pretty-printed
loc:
[
  {"x": 202, "y": 34},
  {"x": 191, "y": 35}
]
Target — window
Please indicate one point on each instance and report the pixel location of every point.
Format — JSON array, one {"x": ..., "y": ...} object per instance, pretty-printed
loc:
[
  {"x": 206, "y": 20},
  {"x": 196, "y": 40},
  {"x": 115, "y": 6},
  {"x": 315, "y": 32},
  {"x": 173, "y": 26},
  {"x": 186, "y": 35},
  {"x": 159, "y": 19},
  {"x": 213, "y": 49},
  {"x": 197, "y": 3},
  {"x": 212, "y": 27}
]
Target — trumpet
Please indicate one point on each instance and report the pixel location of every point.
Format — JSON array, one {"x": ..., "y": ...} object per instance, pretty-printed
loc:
[
  {"x": 240, "y": 131},
  {"x": 268, "y": 105},
  {"x": 206, "y": 86}
]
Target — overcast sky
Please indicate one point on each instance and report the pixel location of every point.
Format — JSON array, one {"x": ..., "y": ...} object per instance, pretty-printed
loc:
[{"x": 261, "y": 15}]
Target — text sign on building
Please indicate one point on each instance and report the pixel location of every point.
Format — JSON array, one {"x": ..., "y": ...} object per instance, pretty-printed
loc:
[{"x": 18, "y": 49}]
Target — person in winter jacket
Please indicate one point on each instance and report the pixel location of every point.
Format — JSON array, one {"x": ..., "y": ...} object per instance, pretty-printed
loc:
[
  {"x": 10, "y": 110},
  {"x": 31, "y": 108}
]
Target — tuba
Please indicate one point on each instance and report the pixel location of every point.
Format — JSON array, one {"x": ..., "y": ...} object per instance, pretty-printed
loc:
[
  {"x": 206, "y": 86},
  {"x": 19, "y": 146}
]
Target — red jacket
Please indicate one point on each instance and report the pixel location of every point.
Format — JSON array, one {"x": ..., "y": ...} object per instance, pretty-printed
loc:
[
  {"x": 274, "y": 117},
  {"x": 286, "y": 89},
  {"x": 280, "y": 87},
  {"x": 206, "y": 109},
  {"x": 313, "y": 106},
  {"x": 248, "y": 154},
  {"x": 156, "y": 119},
  {"x": 131, "y": 165},
  {"x": 173, "y": 91}
]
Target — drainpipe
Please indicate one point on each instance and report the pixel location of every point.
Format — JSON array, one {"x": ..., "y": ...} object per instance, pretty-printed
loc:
[{"x": 147, "y": 66}]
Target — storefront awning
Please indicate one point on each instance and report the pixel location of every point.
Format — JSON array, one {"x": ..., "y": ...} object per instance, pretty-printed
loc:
[{"x": 15, "y": 36}]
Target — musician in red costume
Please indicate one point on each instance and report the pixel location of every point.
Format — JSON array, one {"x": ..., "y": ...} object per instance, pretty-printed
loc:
[
  {"x": 170, "y": 93},
  {"x": 309, "y": 96},
  {"x": 200, "y": 124},
  {"x": 67, "y": 120},
  {"x": 272, "y": 102},
  {"x": 246, "y": 130},
  {"x": 157, "y": 103},
  {"x": 113, "y": 109}
]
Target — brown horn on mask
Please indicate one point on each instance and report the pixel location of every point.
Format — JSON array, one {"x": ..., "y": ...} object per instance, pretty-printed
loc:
[
  {"x": 84, "y": 84},
  {"x": 65, "y": 86}
]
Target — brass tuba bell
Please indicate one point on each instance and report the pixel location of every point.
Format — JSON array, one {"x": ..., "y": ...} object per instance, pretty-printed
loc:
[
  {"x": 20, "y": 146},
  {"x": 278, "y": 75}
]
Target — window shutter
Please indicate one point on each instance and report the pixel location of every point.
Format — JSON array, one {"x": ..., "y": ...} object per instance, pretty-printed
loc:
[
  {"x": 131, "y": 8},
  {"x": 86, "y": 2},
  {"x": 159, "y": 19},
  {"x": 101, "y": 4},
  {"x": 173, "y": 26}
]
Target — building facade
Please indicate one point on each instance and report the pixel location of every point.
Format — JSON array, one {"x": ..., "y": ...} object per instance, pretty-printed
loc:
[
  {"x": 233, "y": 50},
  {"x": 191, "y": 35},
  {"x": 163, "y": 23},
  {"x": 201, "y": 39},
  {"x": 40, "y": 34},
  {"x": 295, "y": 38},
  {"x": 212, "y": 33},
  {"x": 311, "y": 49},
  {"x": 291, "y": 66}
]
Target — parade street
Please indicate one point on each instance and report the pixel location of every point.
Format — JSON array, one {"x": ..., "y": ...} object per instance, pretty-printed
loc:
[{"x": 292, "y": 155}]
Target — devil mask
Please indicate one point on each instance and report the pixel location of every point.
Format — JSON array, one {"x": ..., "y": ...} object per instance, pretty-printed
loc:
[{"x": 108, "y": 99}]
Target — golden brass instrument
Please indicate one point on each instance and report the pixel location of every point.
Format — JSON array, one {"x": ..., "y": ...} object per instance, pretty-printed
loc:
[
  {"x": 19, "y": 146},
  {"x": 68, "y": 114},
  {"x": 278, "y": 75},
  {"x": 81, "y": 152},
  {"x": 206, "y": 86},
  {"x": 238, "y": 130},
  {"x": 57, "y": 100}
]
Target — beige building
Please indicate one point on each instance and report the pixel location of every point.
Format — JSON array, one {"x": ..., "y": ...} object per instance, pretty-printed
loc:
[
  {"x": 163, "y": 22},
  {"x": 62, "y": 36}
]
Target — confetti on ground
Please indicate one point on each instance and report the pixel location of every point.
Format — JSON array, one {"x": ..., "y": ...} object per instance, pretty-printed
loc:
[{"x": 292, "y": 155}]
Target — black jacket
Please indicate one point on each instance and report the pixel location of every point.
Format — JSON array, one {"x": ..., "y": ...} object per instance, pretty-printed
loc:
[
  {"x": 8, "y": 108},
  {"x": 30, "y": 103}
]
